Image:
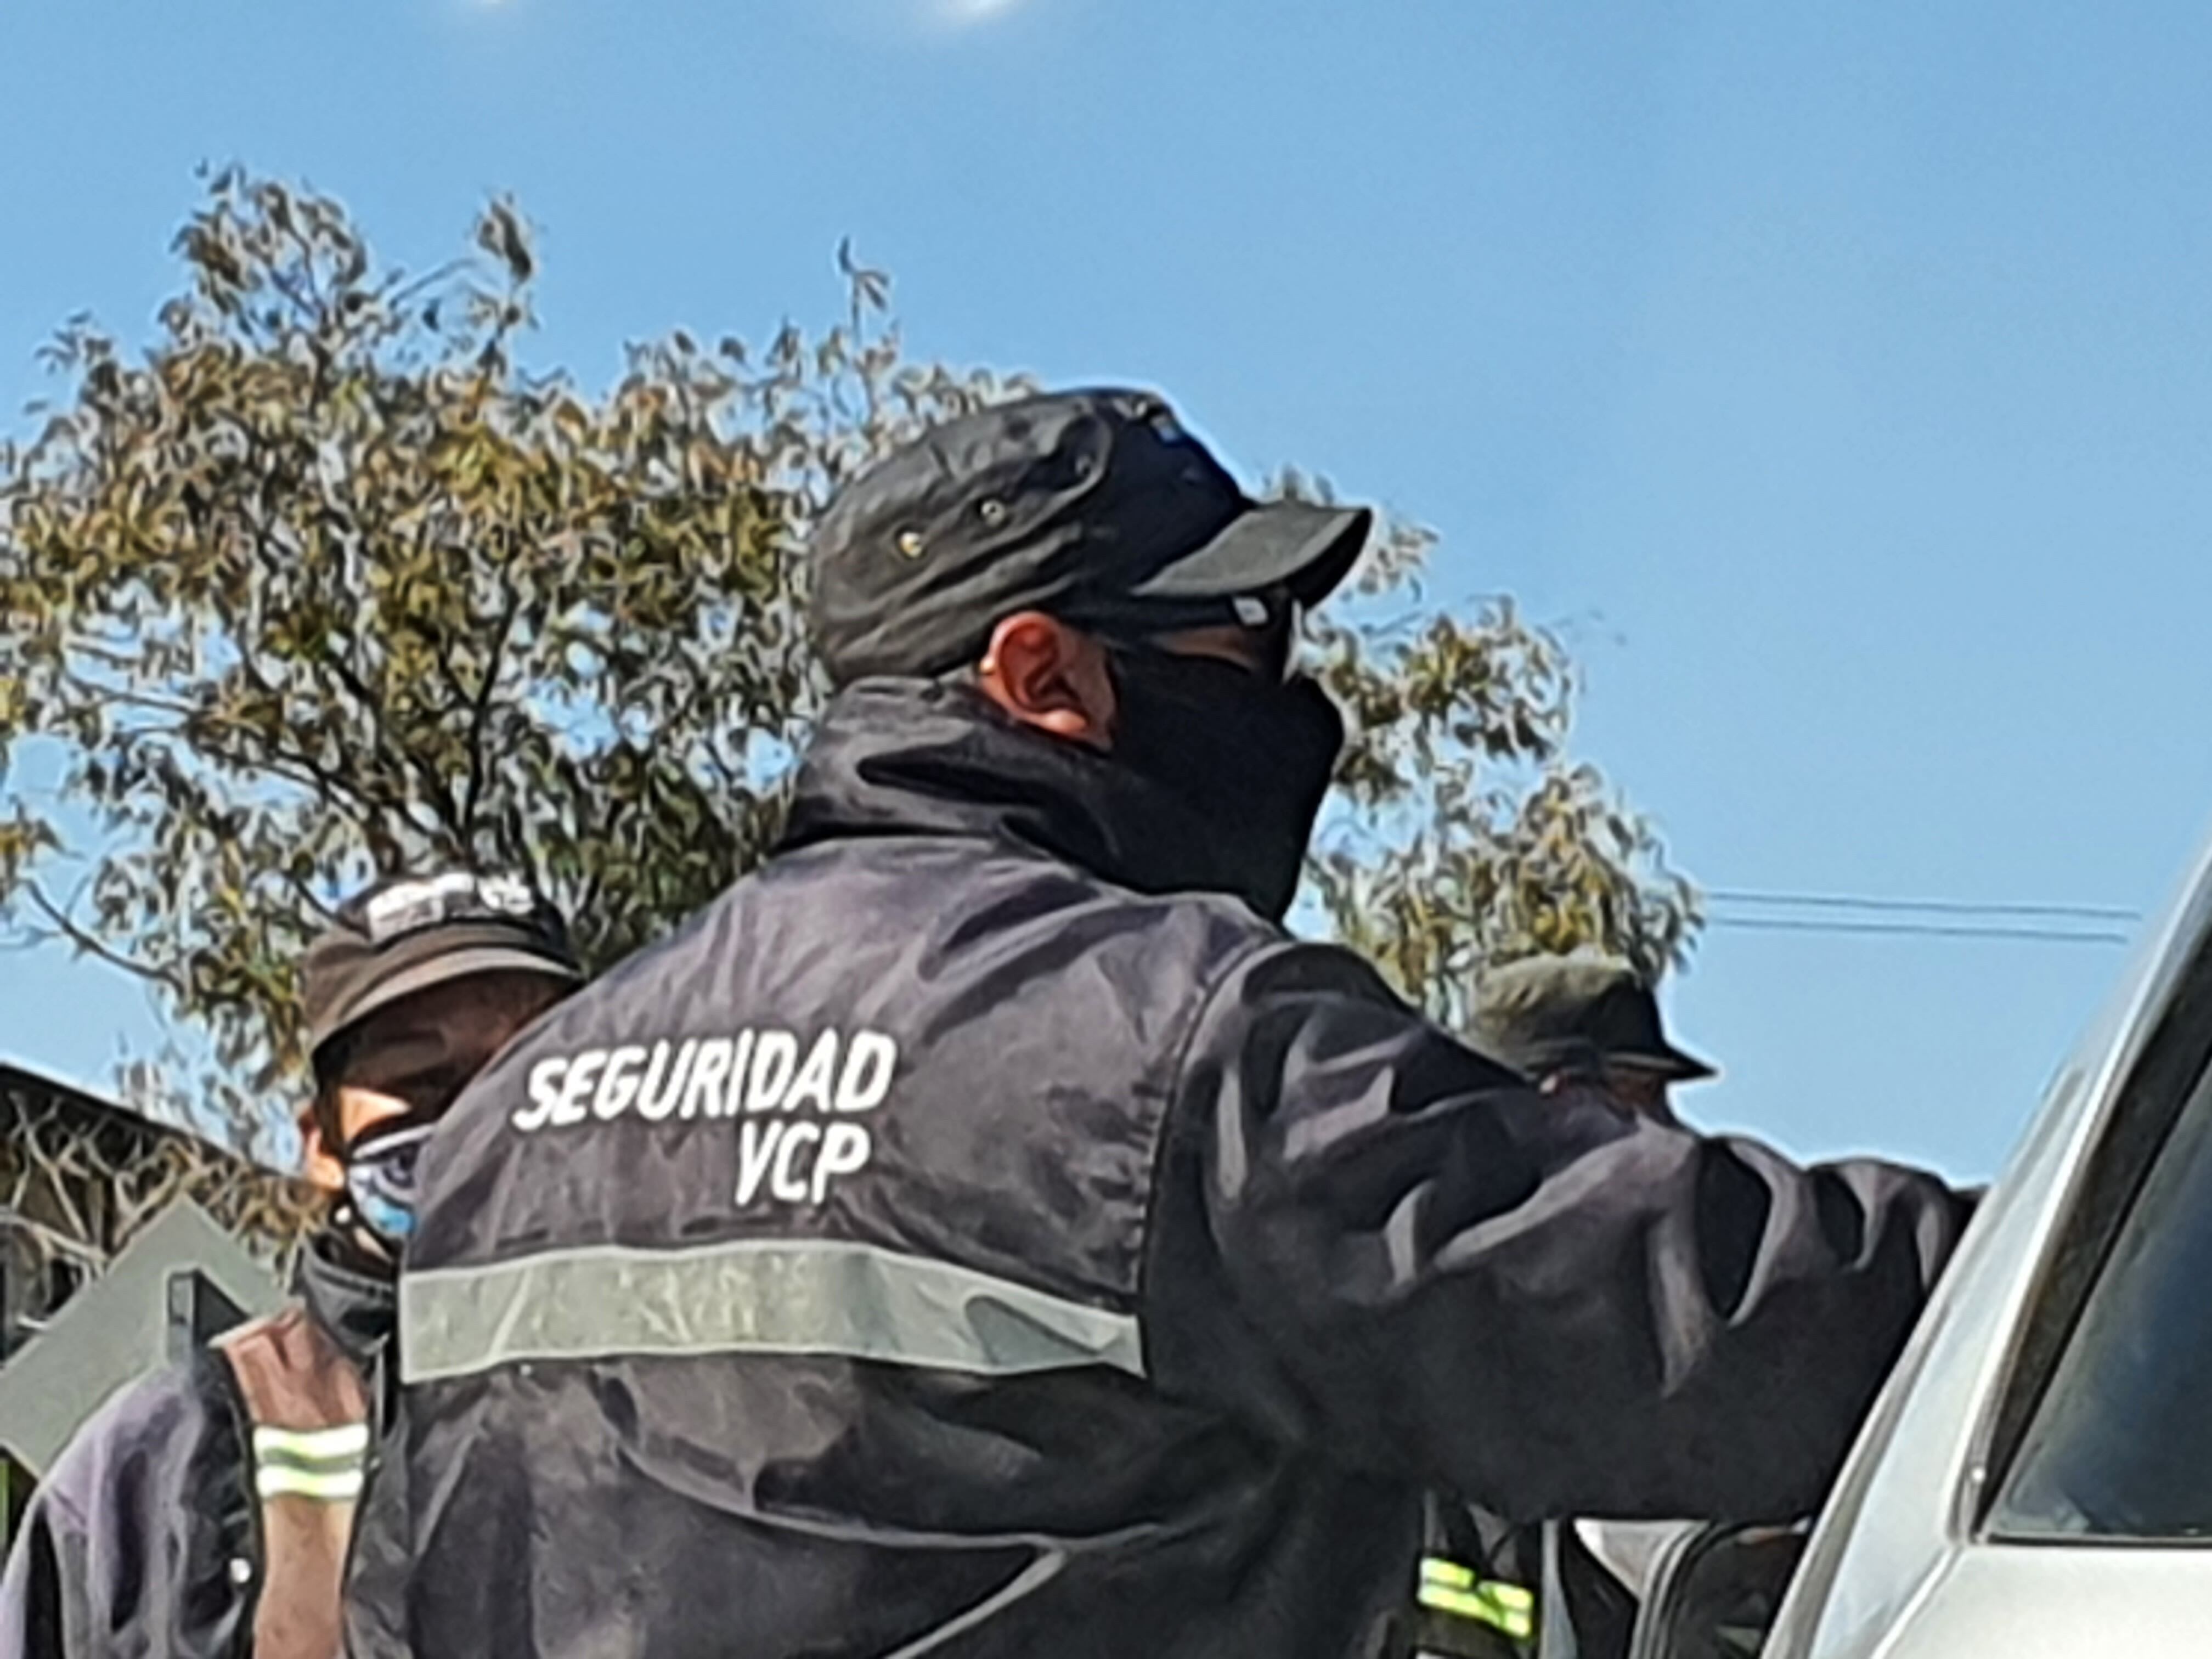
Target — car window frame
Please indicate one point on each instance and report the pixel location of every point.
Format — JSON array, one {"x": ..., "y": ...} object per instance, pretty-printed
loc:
[{"x": 2165, "y": 1077}]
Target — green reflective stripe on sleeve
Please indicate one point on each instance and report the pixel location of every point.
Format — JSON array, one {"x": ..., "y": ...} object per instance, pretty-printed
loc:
[
  {"x": 279, "y": 1480},
  {"x": 322, "y": 1464},
  {"x": 752, "y": 1296},
  {"x": 1519, "y": 1623},
  {"x": 348, "y": 1443},
  {"x": 1448, "y": 1587}
]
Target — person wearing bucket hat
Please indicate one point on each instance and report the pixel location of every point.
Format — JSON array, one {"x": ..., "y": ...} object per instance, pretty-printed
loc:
[
  {"x": 984, "y": 1230},
  {"x": 209, "y": 1507},
  {"x": 1583, "y": 1021},
  {"x": 1583, "y": 1026}
]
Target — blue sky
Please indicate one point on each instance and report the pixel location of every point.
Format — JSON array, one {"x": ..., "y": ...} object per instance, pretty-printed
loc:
[{"x": 1835, "y": 373}]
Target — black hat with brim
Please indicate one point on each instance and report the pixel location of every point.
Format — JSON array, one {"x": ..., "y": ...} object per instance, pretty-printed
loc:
[
  {"x": 438, "y": 956},
  {"x": 409, "y": 934},
  {"x": 1095, "y": 507},
  {"x": 1663, "y": 1060},
  {"x": 1297, "y": 548}
]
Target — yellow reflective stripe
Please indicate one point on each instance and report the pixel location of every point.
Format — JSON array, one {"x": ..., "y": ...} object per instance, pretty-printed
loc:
[
  {"x": 1448, "y": 1587},
  {"x": 348, "y": 1441},
  {"x": 322, "y": 1464},
  {"x": 278, "y": 1480}
]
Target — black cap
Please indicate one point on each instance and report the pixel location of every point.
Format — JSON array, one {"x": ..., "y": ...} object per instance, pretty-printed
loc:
[
  {"x": 1574, "y": 1013},
  {"x": 1095, "y": 507},
  {"x": 407, "y": 933}
]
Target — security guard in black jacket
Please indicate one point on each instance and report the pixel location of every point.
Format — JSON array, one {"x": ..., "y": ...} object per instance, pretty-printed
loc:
[
  {"x": 206, "y": 1510},
  {"x": 984, "y": 1232}
]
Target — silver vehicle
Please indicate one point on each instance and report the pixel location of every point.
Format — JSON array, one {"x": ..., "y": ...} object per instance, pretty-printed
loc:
[{"x": 2037, "y": 1478}]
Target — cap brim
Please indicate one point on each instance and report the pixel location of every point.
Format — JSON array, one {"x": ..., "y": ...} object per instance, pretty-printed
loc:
[
  {"x": 1670, "y": 1063},
  {"x": 452, "y": 965},
  {"x": 1301, "y": 547}
]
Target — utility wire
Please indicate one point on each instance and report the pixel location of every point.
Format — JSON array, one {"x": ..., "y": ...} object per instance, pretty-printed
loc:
[
  {"x": 1924, "y": 907},
  {"x": 1921, "y": 929}
]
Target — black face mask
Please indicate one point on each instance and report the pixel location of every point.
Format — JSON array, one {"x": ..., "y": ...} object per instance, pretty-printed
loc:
[{"x": 1250, "y": 759}]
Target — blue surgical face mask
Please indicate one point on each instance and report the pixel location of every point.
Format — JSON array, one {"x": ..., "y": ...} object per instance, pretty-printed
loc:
[{"x": 381, "y": 1181}]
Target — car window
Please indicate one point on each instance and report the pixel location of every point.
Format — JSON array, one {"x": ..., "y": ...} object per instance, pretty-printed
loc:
[{"x": 2112, "y": 1411}]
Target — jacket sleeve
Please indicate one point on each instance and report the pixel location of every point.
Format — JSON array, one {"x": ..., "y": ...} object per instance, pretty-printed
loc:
[
  {"x": 43, "y": 1612},
  {"x": 130, "y": 1527},
  {"x": 1370, "y": 1240}
]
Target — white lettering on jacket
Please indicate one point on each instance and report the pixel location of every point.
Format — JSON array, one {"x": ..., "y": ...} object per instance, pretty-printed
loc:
[
  {"x": 792, "y": 1095},
  {"x": 797, "y": 1162}
]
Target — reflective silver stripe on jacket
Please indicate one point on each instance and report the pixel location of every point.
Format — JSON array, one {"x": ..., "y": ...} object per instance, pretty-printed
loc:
[{"x": 788, "y": 1297}]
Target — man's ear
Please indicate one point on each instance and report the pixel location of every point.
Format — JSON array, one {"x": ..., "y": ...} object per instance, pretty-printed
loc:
[
  {"x": 317, "y": 1163},
  {"x": 1047, "y": 675}
]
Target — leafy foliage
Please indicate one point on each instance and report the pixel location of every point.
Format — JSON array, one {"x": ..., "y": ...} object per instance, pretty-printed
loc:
[
  {"x": 324, "y": 579},
  {"x": 1465, "y": 834}
]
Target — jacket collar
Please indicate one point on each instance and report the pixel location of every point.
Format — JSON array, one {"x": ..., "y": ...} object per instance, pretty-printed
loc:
[{"x": 902, "y": 757}]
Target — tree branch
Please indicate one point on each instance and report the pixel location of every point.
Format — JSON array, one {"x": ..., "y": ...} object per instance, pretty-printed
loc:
[
  {"x": 481, "y": 715},
  {"x": 307, "y": 896},
  {"x": 145, "y": 700},
  {"x": 295, "y": 766},
  {"x": 92, "y": 944},
  {"x": 433, "y": 785}
]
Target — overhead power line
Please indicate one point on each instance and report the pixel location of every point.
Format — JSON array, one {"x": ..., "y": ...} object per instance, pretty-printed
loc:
[
  {"x": 1922, "y": 906},
  {"x": 1923, "y": 929}
]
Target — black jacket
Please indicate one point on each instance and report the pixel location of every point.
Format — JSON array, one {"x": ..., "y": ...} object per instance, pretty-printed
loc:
[
  {"x": 202, "y": 1512},
  {"x": 956, "y": 1242}
]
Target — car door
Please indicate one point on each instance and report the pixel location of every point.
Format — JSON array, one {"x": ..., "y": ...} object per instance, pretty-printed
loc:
[{"x": 2032, "y": 1477}]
